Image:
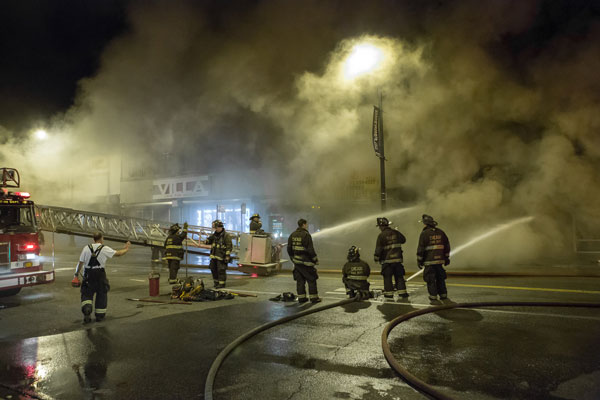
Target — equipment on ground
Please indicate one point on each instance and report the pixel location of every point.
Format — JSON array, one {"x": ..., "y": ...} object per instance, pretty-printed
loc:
[
  {"x": 20, "y": 263},
  {"x": 160, "y": 301}
]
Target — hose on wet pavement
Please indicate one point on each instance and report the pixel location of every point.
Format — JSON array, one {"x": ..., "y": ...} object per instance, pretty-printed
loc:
[
  {"x": 422, "y": 386},
  {"x": 214, "y": 368}
]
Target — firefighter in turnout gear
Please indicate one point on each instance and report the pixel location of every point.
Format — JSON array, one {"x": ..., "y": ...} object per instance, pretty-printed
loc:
[
  {"x": 433, "y": 253},
  {"x": 220, "y": 253},
  {"x": 302, "y": 253},
  {"x": 388, "y": 252},
  {"x": 93, "y": 261},
  {"x": 174, "y": 250},
  {"x": 256, "y": 225},
  {"x": 355, "y": 274}
]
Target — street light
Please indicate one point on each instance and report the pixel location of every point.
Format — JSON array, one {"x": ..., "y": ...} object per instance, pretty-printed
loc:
[
  {"x": 365, "y": 58},
  {"x": 41, "y": 134}
]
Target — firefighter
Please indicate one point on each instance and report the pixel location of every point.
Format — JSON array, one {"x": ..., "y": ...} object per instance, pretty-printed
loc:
[
  {"x": 255, "y": 224},
  {"x": 356, "y": 274},
  {"x": 93, "y": 261},
  {"x": 301, "y": 251},
  {"x": 433, "y": 253},
  {"x": 220, "y": 253},
  {"x": 388, "y": 252},
  {"x": 174, "y": 250}
]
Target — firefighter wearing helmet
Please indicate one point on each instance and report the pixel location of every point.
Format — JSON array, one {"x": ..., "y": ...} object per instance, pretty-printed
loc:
[
  {"x": 303, "y": 255},
  {"x": 220, "y": 253},
  {"x": 388, "y": 252},
  {"x": 433, "y": 253},
  {"x": 174, "y": 249},
  {"x": 355, "y": 275},
  {"x": 255, "y": 224}
]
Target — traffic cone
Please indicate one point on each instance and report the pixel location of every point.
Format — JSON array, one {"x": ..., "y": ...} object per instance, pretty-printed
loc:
[{"x": 75, "y": 282}]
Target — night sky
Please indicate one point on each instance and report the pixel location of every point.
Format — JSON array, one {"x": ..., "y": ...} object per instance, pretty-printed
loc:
[{"x": 46, "y": 47}]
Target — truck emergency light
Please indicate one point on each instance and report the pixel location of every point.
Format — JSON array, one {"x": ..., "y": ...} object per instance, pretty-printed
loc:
[{"x": 24, "y": 195}]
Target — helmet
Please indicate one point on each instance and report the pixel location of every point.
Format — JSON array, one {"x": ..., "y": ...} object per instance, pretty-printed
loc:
[
  {"x": 255, "y": 215},
  {"x": 174, "y": 228},
  {"x": 353, "y": 253},
  {"x": 382, "y": 221},
  {"x": 428, "y": 220},
  {"x": 217, "y": 223}
]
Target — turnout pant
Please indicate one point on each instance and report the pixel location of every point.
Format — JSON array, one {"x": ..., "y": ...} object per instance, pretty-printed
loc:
[
  {"x": 94, "y": 283},
  {"x": 173, "y": 269},
  {"x": 393, "y": 279},
  {"x": 305, "y": 274},
  {"x": 435, "y": 277},
  {"x": 219, "y": 271},
  {"x": 353, "y": 286}
]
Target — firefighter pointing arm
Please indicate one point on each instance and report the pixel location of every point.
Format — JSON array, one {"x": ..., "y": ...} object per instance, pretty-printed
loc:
[{"x": 76, "y": 282}]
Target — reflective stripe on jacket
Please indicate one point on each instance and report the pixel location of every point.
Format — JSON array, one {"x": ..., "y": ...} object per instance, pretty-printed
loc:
[
  {"x": 300, "y": 248},
  {"x": 173, "y": 245},
  {"x": 388, "y": 248},
  {"x": 356, "y": 270},
  {"x": 434, "y": 247},
  {"x": 221, "y": 245}
]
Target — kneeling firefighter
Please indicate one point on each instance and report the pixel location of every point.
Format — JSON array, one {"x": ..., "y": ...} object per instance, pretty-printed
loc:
[
  {"x": 433, "y": 253},
  {"x": 220, "y": 253},
  {"x": 355, "y": 274},
  {"x": 174, "y": 250},
  {"x": 388, "y": 252}
]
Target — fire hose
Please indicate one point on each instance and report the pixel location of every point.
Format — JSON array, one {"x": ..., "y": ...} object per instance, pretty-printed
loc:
[
  {"x": 422, "y": 386},
  {"x": 214, "y": 368}
]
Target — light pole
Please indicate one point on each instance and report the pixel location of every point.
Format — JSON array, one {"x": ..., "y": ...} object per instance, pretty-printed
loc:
[
  {"x": 363, "y": 59},
  {"x": 381, "y": 155}
]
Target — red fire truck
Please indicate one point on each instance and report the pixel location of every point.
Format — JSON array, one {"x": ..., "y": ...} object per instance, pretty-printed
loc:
[{"x": 20, "y": 263}]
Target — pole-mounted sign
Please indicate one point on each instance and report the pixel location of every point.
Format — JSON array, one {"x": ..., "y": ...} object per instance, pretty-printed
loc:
[{"x": 376, "y": 132}]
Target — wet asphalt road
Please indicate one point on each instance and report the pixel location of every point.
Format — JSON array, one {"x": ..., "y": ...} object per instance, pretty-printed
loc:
[{"x": 159, "y": 351}]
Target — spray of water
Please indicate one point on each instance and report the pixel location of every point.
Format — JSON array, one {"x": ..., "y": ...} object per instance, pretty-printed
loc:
[
  {"x": 358, "y": 221},
  {"x": 479, "y": 238}
]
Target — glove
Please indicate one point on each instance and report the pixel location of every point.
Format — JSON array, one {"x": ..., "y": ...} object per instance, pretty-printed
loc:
[
  {"x": 185, "y": 225},
  {"x": 316, "y": 261},
  {"x": 447, "y": 262},
  {"x": 420, "y": 266},
  {"x": 227, "y": 259}
]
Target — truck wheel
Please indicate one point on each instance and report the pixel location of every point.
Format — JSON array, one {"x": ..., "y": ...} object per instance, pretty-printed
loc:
[{"x": 9, "y": 292}]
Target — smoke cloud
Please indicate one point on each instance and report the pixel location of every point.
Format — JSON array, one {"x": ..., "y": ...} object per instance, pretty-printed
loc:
[{"x": 489, "y": 115}]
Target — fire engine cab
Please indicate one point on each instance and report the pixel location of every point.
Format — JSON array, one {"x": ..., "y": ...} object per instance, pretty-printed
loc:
[{"x": 20, "y": 263}]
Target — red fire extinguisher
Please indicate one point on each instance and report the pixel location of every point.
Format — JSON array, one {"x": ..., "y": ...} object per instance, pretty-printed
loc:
[{"x": 154, "y": 279}]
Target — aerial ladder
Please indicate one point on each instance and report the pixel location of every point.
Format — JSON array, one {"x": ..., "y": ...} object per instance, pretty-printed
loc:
[{"x": 117, "y": 228}]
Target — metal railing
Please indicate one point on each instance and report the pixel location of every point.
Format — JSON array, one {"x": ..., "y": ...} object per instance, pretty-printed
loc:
[{"x": 119, "y": 228}]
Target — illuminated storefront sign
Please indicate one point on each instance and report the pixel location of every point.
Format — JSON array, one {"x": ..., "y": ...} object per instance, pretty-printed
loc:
[{"x": 175, "y": 188}]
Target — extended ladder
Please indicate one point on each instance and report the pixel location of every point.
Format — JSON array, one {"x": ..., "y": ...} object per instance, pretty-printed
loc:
[{"x": 139, "y": 231}]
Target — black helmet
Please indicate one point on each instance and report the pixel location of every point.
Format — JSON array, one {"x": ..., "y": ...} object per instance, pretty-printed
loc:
[
  {"x": 255, "y": 215},
  {"x": 217, "y": 223},
  {"x": 353, "y": 253},
  {"x": 383, "y": 221},
  {"x": 174, "y": 228},
  {"x": 428, "y": 220}
]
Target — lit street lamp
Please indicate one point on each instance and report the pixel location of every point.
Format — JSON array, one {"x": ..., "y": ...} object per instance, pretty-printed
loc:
[{"x": 40, "y": 134}]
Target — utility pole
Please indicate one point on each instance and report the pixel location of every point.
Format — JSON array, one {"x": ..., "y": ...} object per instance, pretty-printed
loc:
[{"x": 382, "y": 156}]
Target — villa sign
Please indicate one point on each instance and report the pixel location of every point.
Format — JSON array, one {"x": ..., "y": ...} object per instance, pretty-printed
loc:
[{"x": 175, "y": 188}]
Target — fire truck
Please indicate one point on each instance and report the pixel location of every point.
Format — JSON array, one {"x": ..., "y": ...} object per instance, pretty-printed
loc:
[{"x": 20, "y": 263}]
